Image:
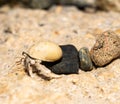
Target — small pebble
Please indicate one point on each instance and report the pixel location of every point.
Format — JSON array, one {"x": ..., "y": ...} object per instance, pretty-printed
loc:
[
  {"x": 85, "y": 60},
  {"x": 69, "y": 64},
  {"x": 106, "y": 48}
]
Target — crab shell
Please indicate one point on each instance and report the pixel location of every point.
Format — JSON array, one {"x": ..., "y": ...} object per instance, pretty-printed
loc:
[{"x": 46, "y": 51}]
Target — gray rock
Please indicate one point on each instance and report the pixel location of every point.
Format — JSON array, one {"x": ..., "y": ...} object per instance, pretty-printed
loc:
[
  {"x": 85, "y": 60},
  {"x": 47, "y": 3},
  {"x": 40, "y": 3}
]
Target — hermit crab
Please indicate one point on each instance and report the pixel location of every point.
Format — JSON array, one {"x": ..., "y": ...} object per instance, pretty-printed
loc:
[{"x": 42, "y": 51}]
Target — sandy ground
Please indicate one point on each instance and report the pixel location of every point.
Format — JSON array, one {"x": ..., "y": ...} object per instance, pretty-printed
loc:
[{"x": 20, "y": 28}]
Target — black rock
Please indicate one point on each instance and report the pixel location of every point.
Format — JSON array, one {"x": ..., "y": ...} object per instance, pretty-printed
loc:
[
  {"x": 85, "y": 60},
  {"x": 68, "y": 64}
]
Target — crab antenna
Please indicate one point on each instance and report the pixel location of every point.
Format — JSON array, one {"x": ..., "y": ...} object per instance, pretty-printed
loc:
[{"x": 24, "y": 54}]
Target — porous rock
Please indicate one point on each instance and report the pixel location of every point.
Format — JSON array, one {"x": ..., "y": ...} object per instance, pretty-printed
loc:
[
  {"x": 68, "y": 64},
  {"x": 85, "y": 60},
  {"x": 106, "y": 48}
]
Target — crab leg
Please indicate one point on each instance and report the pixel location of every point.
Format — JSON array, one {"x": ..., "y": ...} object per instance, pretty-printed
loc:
[{"x": 45, "y": 71}]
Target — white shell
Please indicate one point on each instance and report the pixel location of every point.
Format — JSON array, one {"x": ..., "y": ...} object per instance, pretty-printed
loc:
[{"x": 46, "y": 51}]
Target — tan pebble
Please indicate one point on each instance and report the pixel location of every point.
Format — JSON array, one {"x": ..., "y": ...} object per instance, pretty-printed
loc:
[{"x": 106, "y": 48}]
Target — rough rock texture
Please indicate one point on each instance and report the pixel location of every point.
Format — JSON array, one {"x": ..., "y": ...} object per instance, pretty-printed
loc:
[
  {"x": 20, "y": 28},
  {"x": 106, "y": 48}
]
